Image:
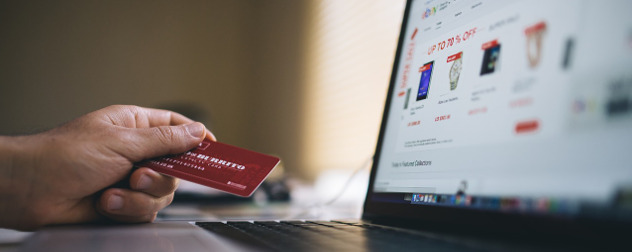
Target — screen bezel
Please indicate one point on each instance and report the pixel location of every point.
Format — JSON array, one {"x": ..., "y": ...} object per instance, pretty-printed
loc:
[{"x": 472, "y": 220}]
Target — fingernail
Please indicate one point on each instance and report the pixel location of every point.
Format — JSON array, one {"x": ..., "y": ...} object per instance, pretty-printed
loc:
[
  {"x": 144, "y": 182},
  {"x": 195, "y": 129},
  {"x": 115, "y": 202}
]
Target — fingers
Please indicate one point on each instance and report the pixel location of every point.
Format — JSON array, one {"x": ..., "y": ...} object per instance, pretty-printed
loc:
[
  {"x": 151, "y": 192},
  {"x": 151, "y": 132},
  {"x": 159, "y": 117},
  {"x": 210, "y": 136},
  {"x": 139, "y": 117},
  {"x": 139, "y": 144},
  {"x": 131, "y": 206},
  {"x": 150, "y": 182}
]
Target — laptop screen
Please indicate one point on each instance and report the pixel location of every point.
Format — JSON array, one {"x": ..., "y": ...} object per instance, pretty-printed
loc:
[{"x": 512, "y": 106}]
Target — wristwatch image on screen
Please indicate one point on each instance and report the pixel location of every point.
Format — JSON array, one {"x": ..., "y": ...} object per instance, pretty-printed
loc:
[{"x": 455, "y": 71}]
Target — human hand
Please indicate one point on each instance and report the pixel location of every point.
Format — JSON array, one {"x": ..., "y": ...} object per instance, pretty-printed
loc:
[{"x": 63, "y": 175}]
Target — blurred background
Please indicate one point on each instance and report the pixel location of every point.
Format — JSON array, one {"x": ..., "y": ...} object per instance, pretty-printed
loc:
[{"x": 302, "y": 80}]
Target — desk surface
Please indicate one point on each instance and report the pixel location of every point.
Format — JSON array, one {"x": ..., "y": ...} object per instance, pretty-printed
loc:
[{"x": 11, "y": 240}]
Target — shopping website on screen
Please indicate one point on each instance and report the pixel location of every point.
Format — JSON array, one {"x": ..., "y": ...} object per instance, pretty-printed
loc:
[{"x": 511, "y": 98}]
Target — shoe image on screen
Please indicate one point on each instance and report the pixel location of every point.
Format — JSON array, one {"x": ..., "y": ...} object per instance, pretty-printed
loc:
[
  {"x": 490, "y": 58},
  {"x": 424, "y": 83}
]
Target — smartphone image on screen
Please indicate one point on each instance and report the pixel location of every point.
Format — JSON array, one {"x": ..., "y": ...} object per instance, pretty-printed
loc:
[
  {"x": 424, "y": 82},
  {"x": 490, "y": 59}
]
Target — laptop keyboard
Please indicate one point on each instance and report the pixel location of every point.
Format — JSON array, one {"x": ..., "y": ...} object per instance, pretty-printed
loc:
[{"x": 325, "y": 236}]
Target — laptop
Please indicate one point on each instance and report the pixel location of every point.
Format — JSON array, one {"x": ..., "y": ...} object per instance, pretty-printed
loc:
[{"x": 507, "y": 126}]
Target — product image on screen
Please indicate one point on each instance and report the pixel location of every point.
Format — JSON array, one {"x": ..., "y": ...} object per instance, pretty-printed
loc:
[
  {"x": 455, "y": 69},
  {"x": 490, "y": 58},
  {"x": 407, "y": 99},
  {"x": 424, "y": 83},
  {"x": 535, "y": 35},
  {"x": 568, "y": 51}
]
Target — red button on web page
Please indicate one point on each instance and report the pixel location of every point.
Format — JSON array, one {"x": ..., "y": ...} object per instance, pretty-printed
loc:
[
  {"x": 425, "y": 67},
  {"x": 489, "y": 44},
  {"x": 527, "y": 126},
  {"x": 535, "y": 28},
  {"x": 454, "y": 57}
]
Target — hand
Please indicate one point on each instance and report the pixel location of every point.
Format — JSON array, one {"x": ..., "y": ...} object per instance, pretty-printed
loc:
[{"x": 63, "y": 175}]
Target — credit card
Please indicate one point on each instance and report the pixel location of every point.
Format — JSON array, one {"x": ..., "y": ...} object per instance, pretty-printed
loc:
[{"x": 221, "y": 166}]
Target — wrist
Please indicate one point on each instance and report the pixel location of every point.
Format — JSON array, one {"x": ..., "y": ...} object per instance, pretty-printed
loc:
[
  {"x": 7, "y": 150},
  {"x": 15, "y": 172}
]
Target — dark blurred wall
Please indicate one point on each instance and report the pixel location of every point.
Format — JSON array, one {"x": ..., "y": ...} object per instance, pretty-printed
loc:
[
  {"x": 278, "y": 80},
  {"x": 239, "y": 62}
]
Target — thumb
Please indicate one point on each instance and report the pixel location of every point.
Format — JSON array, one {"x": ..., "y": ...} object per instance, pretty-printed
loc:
[{"x": 163, "y": 140}]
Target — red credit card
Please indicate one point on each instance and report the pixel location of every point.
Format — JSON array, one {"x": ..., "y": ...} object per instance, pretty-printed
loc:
[{"x": 217, "y": 165}]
